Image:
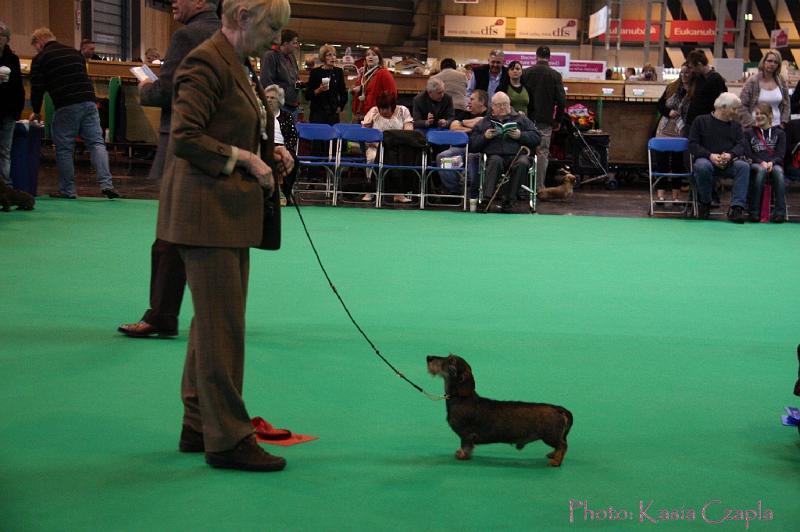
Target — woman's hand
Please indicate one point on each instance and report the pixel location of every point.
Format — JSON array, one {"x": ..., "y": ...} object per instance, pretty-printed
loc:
[
  {"x": 674, "y": 114},
  {"x": 257, "y": 168},
  {"x": 284, "y": 162}
]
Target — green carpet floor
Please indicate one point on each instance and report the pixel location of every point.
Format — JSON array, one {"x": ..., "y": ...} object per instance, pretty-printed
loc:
[{"x": 671, "y": 341}]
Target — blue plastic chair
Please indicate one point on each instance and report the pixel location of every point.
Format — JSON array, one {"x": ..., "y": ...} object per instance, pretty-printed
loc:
[
  {"x": 362, "y": 136},
  {"x": 663, "y": 145},
  {"x": 443, "y": 137},
  {"x": 317, "y": 133}
]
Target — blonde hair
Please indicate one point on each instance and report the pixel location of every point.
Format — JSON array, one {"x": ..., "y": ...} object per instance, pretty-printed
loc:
[
  {"x": 777, "y": 54},
  {"x": 324, "y": 49},
  {"x": 43, "y": 34},
  {"x": 277, "y": 11}
]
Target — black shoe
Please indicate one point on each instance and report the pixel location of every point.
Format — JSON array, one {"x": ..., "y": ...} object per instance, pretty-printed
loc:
[
  {"x": 110, "y": 193},
  {"x": 736, "y": 214},
  {"x": 191, "y": 441},
  {"x": 703, "y": 211},
  {"x": 61, "y": 195},
  {"x": 142, "y": 329},
  {"x": 778, "y": 218},
  {"x": 507, "y": 208},
  {"x": 754, "y": 218},
  {"x": 246, "y": 456}
]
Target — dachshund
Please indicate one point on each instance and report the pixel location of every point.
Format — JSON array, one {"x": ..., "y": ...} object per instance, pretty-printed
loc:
[
  {"x": 478, "y": 420},
  {"x": 10, "y": 196},
  {"x": 562, "y": 191}
]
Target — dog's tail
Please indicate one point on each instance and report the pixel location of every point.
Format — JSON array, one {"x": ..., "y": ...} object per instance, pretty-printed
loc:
[{"x": 567, "y": 422}]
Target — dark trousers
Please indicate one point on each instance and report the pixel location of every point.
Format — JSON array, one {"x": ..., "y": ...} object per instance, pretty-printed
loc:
[
  {"x": 167, "y": 283},
  {"x": 495, "y": 165},
  {"x": 673, "y": 162}
]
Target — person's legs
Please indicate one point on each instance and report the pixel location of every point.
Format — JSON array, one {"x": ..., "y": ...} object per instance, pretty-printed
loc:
[
  {"x": 494, "y": 167},
  {"x": 449, "y": 178},
  {"x": 213, "y": 388},
  {"x": 703, "y": 179},
  {"x": 167, "y": 284},
  {"x": 64, "y": 129},
  {"x": 543, "y": 154},
  {"x": 473, "y": 174},
  {"x": 517, "y": 174},
  {"x": 779, "y": 190},
  {"x": 92, "y": 135},
  {"x": 6, "y": 139},
  {"x": 741, "y": 182}
]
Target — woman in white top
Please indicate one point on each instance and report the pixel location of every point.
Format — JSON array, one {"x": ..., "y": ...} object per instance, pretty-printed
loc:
[
  {"x": 384, "y": 116},
  {"x": 767, "y": 86}
]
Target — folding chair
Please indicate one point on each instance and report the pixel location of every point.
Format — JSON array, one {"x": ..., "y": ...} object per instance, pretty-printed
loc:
[
  {"x": 664, "y": 145},
  {"x": 362, "y": 136},
  {"x": 454, "y": 139},
  {"x": 317, "y": 133},
  {"x": 402, "y": 151}
]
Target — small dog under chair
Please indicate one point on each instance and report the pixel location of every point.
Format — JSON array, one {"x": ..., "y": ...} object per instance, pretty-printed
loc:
[
  {"x": 561, "y": 192},
  {"x": 10, "y": 197},
  {"x": 478, "y": 420}
]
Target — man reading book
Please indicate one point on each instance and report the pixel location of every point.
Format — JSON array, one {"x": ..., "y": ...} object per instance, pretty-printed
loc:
[{"x": 500, "y": 137}]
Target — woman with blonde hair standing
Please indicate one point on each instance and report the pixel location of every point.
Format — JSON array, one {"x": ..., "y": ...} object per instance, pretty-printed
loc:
[
  {"x": 326, "y": 89},
  {"x": 768, "y": 86},
  {"x": 217, "y": 187}
]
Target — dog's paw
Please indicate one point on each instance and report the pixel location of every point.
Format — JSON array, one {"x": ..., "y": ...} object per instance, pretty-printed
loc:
[
  {"x": 461, "y": 454},
  {"x": 554, "y": 463}
]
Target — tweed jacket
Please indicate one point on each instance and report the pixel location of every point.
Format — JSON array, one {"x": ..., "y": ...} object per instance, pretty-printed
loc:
[
  {"x": 749, "y": 97},
  {"x": 214, "y": 108}
]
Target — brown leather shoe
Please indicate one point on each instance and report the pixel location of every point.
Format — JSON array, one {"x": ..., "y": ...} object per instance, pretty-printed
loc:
[
  {"x": 191, "y": 441},
  {"x": 246, "y": 456},
  {"x": 142, "y": 329}
]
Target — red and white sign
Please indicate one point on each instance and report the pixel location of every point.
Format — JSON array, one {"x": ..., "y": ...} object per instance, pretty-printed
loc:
[
  {"x": 778, "y": 39},
  {"x": 697, "y": 31},
  {"x": 587, "y": 69},
  {"x": 475, "y": 27},
  {"x": 633, "y": 31},
  {"x": 551, "y": 29}
]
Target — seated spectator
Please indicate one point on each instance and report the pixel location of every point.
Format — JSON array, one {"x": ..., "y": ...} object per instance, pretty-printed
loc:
[
  {"x": 465, "y": 121},
  {"x": 767, "y": 146},
  {"x": 795, "y": 100},
  {"x": 717, "y": 143},
  {"x": 433, "y": 107},
  {"x": 630, "y": 73},
  {"x": 88, "y": 50},
  {"x": 384, "y": 116},
  {"x": 502, "y": 149},
  {"x": 285, "y": 133},
  {"x": 517, "y": 92},
  {"x": 151, "y": 55},
  {"x": 455, "y": 83}
]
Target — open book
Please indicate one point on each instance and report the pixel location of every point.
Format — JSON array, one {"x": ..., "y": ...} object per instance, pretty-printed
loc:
[
  {"x": 504, "y": 129},
  {"x": 143, "y": 72}
]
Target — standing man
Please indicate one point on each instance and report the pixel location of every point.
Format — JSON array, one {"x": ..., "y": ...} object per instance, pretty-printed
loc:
[
  {"x": 167, "y": 273},
  {"x": 708, "y": 85},
  {"x": 546, "y": 106},
  {"x": 12, "y": 100},
  {"x": 455, "y": 83},
  {"x": 61, "y": 71},
  {"x": 279, "y": 67},
  {"x": 491, "y": 78}
]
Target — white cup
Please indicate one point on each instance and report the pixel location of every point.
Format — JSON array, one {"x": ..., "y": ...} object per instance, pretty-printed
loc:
[
  {"x": 5, "y": 72},
  {"x": 473, "y": 205},
  {"x": 326, "y": 82}
]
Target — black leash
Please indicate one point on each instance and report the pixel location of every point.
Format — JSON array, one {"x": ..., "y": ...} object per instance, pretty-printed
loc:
[{"x": 429, "y": 395}]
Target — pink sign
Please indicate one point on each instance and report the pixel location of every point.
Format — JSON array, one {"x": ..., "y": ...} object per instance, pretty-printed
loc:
[
  {"x": 527, "y": 59},
  {"x": 593, "y": 67}
]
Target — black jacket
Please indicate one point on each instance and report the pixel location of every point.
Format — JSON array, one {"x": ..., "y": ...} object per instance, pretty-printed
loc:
[
  {"x": 503, "y": 144},
  {"x": 326, "y": 102},
  {"x": 12, "y": 95},
  {"x": 60, "y": 70},
  {"x": 706, "y": 90},
  {"x": 423, "y": 105},
  {"x": 481, "y": 75},
  {"x": 547, "y": 96}
]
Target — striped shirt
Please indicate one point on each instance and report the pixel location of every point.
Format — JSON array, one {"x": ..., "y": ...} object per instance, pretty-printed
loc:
[{"x": 61, "y": 71}]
